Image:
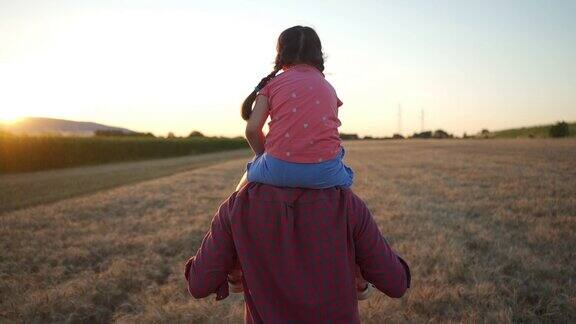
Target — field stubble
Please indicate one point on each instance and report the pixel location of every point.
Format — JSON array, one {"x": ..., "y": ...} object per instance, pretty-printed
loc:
[{"x": 488, "y": 228}]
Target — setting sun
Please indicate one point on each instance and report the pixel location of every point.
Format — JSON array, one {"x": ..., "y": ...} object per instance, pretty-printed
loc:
[{"x": 7, "y": 117}]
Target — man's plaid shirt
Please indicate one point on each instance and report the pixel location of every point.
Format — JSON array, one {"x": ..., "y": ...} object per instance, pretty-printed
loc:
[{"x": 298, "y": 250}]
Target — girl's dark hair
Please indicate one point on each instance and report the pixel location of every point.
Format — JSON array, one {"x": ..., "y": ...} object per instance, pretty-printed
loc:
[{"x": 296, "y": 45}]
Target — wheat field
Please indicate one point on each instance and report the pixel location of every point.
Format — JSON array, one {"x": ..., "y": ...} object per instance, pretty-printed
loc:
[{"x": 487, "y": 226}]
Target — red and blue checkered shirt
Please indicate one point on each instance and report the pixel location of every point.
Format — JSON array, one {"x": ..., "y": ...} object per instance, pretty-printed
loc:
[{"x": 298, "y": 250}]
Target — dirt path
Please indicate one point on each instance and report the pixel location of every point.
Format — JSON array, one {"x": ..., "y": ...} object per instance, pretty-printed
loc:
[{"x": 29, "y": 189}]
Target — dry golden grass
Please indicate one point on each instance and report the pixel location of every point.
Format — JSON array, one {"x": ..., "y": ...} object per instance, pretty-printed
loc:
[{"x": 488, "y": 228}]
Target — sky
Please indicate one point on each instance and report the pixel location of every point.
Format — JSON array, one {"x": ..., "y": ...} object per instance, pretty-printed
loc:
[{"x": 179, "y": 66}]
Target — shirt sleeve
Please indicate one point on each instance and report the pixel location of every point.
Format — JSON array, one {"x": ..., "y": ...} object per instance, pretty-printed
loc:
[
  {"x": 265, "y": 91},
  {"x": 207, "y": 271},
  {"x": 378, "y": 263}
]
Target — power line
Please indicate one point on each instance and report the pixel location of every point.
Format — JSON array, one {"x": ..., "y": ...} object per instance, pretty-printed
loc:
[
  {"x": 422, "y": 120},
  {"x": 399, "y": 119}
]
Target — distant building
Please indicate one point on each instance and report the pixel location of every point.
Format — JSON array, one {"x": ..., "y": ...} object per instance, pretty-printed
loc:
[{"x": 346, "y": 137}]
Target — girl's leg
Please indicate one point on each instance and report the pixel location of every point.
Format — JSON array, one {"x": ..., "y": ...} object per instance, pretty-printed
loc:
[{"x": 242, "y": 182}]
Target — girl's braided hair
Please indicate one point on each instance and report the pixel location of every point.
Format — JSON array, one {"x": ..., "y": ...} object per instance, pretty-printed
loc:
[{"x": 296, "y": 45}]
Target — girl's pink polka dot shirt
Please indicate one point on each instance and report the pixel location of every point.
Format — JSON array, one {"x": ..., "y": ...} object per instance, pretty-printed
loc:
[{"x": 303, "y": 110}]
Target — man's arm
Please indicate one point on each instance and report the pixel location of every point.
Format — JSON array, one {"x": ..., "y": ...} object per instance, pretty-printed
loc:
[
  {"x": 378, "y": 263},
  {"x": 207, "y": 271}
]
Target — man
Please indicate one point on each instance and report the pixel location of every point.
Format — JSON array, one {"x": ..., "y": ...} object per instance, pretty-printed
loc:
[{"x": 298, "y": 251}]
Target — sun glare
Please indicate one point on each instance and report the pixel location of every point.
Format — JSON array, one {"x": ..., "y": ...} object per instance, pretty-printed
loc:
[{"x": 7, "y": 118}]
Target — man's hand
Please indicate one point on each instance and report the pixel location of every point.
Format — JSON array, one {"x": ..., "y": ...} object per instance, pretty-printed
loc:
[
  {"x": 363, "y": 288},
  {"x": 235, "y": 281},
  {"x": 361, "y": 283}
]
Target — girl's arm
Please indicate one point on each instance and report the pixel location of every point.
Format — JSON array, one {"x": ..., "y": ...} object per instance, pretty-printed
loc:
[{"x": 254, "y": 133}]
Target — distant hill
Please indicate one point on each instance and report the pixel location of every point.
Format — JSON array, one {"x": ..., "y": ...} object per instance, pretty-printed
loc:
[
  {"x": 51, "y": 126},
  {"x": 534, "y": 131}
]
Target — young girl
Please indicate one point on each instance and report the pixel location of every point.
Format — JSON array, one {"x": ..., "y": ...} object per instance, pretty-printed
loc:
[{"x": 303, "y": 146}]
